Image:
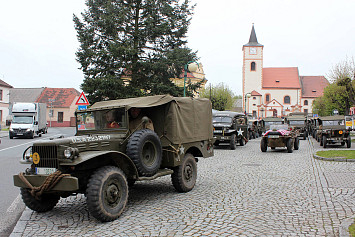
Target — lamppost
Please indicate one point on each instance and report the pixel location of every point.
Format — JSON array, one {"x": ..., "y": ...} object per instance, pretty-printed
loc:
[
  {"x": 192, "y": 67},
  {"x": 247, "y": 95}
]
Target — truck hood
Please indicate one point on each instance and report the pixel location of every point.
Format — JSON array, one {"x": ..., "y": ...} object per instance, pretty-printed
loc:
[{"x": 22, "y": 126}]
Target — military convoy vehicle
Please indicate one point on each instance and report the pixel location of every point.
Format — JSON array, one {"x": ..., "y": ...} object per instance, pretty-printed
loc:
[
  {"x": 230, "y": 127},
  {"x": 253, "y": 129},
  {"x": 279, "y": 136},
  {"x": 332, "y": 130},
  {"x": 102, "y": 161},
  {"x": 266, "y": 122},
  {"x": 299, "y": 124}
]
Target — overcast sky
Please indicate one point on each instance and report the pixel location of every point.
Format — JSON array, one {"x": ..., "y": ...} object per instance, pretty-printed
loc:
[{"x": 38, "y": 41}]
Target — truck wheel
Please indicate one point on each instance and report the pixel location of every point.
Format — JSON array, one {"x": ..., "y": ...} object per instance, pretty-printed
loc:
[
  {"x": 233, "y": 142},
  {"x": 185, "y": 175},
  {"x": 46, "y": 203},
  {"x": 348, "y": 142},
  {"x": 297, "y": 143},
  {"x": 107, "y": 193},
  {"x": 289, "y": 145},
  {"x": 263, "y": 145},
  {"x": 241, "y": 141},
  {"x": 321, "y": 140},
  {"x": 324, "y": 142},
  {"x": 11, "y": 137},
  {"x": 32, "y": 135},
  {"x": 144, "y": 148}
]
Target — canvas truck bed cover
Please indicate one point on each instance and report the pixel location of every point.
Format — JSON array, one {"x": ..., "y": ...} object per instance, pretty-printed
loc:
[{"x": 182, "y": 119}]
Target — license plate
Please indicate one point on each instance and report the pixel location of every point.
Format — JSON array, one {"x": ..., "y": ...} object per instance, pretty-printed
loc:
[
  {"x": 224, "y": 138},
  {"x": 20, "y": 134},
  {"x": 45, "y": 170},
  {"x": 273, "y": 136}
]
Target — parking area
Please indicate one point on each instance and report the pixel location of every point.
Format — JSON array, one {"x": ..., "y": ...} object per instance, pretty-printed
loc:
[{"x": 242, "y": 192}]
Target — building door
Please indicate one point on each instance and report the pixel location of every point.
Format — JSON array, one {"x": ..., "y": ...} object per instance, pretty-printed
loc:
[
  {"x": 274, "y": 113},
  {"x": 60, "y": 117}
]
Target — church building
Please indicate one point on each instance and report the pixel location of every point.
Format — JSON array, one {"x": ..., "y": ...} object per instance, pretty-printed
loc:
[{"x": 275, "y": 91}]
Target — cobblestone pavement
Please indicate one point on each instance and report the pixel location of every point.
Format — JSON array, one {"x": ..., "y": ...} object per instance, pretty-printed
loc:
[{"x": 241, "y": 193}]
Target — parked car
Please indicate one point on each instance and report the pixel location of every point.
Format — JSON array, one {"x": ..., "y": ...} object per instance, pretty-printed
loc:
[
  {"x": 299, "y": 124},
  {"x": 265, "y": 123}
]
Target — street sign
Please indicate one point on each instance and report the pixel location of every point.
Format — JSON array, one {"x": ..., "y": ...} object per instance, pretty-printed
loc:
[
  {"x": 82, "y": 100},
  {"x": 82, "y": 107}
]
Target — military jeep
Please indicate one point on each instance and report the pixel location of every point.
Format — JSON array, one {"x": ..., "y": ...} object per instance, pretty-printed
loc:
[
  {"x": 266, "y": 122},
  {"x": 230, "y": 127},
  {"x": 102, "y": 162},
  {"x": 332, "y": 130},
  {"x": 279, "y": 136},
  {"x": 298, "y": 123}
]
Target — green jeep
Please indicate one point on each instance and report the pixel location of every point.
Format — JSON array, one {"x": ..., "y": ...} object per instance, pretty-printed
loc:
[
  {"x": 102, "y": 161},
  {"x": 298, "y": 123},
  {"x": 266, "y": 122},
  {"x": 332, "y": 130},
  {"x": 230, "y": 127}
]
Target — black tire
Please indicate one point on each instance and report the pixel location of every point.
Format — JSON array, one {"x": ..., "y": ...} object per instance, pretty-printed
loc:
[
  {"x": 107, "y": 193},
  {"x": 241, "y": 141},
  {"x": 185, "y": 175},
  {"x": 46, "y": 203},
  {"x": 348, "y": 142},
  {"x": 233, "y": 142},
  {"x": 144, "y": 148},
  {"x": 324, "y": 142},
  {"x": 297, "y": 143},
  {"x": 263, "y": 145},
  {"x": 40, "y": 134},
  {"x": 11, "y": 137},
  {"x": 289, "y": 145},
  {"x": 320, "y": 140},
  {"x": 32, "y": 135}
]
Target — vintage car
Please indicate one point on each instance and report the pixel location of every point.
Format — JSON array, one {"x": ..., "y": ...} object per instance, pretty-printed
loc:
[
  {"x": 101, "y": 161},
  {"x": 299, "y": 124},
  {"x": 279, "y": 136},
  {"x": 230, "y": 127},
  {"x": 253, "y": 129},
  {"x": 332, "y": 130}
]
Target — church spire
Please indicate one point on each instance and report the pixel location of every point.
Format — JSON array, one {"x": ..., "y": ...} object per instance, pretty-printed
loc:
[{"x": 253, "y": 41}]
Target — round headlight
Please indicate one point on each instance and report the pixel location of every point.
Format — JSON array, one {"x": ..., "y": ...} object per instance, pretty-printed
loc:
[
  {"x": 27, "y": 154},
  {"x": 68, "y": 153}
]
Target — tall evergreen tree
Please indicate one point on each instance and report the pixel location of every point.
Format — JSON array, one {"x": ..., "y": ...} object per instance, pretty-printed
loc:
[{"x": 142, "y": 39}]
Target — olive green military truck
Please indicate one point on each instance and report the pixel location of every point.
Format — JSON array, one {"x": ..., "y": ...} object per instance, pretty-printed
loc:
[
  {"x": 299, "y": 124},
  {"x": 230, "y": 127},
  {"x": 101, "y": 161},
  {"x": 279, "y": 136},
  {"x": 332, "y": 130}
]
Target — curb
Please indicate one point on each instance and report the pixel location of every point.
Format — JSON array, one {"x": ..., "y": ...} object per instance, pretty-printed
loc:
[
  {"x": 344, "y": 227},
  {"x": 332, "y": 159}
]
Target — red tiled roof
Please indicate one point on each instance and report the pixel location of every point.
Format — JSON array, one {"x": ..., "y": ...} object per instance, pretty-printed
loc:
[
  {"x": 63, "y": 97},
  {"x": 313, "y": 86},
  {"x": 281, "y": 77},
  {"x": 4, "y": 84},
  {"x": 189, "y": 75},
  {"x": 255, "y": 93}
]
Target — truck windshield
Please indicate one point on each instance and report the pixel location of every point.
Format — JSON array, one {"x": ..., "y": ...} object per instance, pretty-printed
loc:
[
  {"x": 222, "y": 119},
  {"x": 22, "y": 120},
  {"x": 333, "y": 123},
  {"x": 295, "y": 122},
  {"x": 269, "y": 123},
  {"x": 103, "y": 119}
]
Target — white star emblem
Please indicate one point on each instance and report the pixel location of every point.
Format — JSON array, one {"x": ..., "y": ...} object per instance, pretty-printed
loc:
[
  {"x": 182, "y": 150},
  {"x": 240, "y": 132}
]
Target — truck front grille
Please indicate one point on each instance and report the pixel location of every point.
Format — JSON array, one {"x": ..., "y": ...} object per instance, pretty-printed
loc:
[{"x": 48, "y": 156}]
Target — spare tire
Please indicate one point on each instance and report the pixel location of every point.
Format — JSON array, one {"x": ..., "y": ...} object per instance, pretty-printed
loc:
[{"x": 144, "y": 149}]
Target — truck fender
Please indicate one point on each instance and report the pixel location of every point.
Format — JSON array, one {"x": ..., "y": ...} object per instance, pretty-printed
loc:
[{"x": 97, "y": 158}]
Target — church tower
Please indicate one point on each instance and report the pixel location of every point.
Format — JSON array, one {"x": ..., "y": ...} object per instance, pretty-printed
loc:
[{"x": 252, "y": 67}]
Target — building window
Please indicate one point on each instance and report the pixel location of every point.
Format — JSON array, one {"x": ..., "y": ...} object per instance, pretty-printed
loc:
[
  {"x": 306, "y": 102},
  {"x": 305, "y": 110},
  {"x": 267, "y": 98},
  {"x": 0, "y": 94},
  {"x": 287, "y": 100},
  {"x": 252, "y": 66},
  {"x": 254, "y": 98},
  {"x": 254, "y": 114},
  {"x": 60, "y": 117},
  {"x": 0, "y": 117}
]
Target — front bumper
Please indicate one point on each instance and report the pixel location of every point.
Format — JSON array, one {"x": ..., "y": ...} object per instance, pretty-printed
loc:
[
  {"x": 67, "y": 183},
  {"x": 20, "y": 133}
]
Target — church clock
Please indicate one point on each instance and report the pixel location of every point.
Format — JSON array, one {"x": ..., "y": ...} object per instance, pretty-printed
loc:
[{"x": 252, "y": 50}]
